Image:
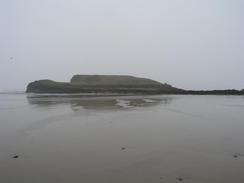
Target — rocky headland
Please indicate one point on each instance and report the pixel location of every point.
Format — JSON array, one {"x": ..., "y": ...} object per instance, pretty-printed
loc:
[{"x": 116, "y": 84}]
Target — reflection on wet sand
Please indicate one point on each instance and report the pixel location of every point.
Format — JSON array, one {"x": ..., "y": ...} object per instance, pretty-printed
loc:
[
  {"x": 99, "y": 103},
  {"x": 112, "y": 103}
]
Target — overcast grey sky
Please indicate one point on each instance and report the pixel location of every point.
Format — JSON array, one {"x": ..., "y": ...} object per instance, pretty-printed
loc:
[{"x": 191, "y": 44}]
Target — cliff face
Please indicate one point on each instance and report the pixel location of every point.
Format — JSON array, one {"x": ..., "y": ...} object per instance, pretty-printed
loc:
[{"x": 101, "y": 84}]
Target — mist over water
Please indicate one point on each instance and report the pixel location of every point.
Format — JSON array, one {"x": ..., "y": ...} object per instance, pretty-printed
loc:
[
  {"x": 134, "y": 139},
  {"x": 189, "y": 44}
]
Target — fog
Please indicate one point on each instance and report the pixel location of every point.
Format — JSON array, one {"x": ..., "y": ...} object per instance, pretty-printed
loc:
[{"x": 190, "y": 44}]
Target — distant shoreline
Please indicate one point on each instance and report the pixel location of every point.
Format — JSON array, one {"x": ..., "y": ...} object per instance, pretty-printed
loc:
[{"x": 193, "y": 92}]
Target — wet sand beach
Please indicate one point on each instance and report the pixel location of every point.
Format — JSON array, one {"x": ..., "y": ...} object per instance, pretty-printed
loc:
[{"x": 116, "y": 139}]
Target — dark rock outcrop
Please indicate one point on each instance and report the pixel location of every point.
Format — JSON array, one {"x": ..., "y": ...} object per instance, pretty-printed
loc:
[
  {"x": 213, "y": 92},
  {"x": 117, "y": 84},
  {"x": 102, "y": 84}
]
